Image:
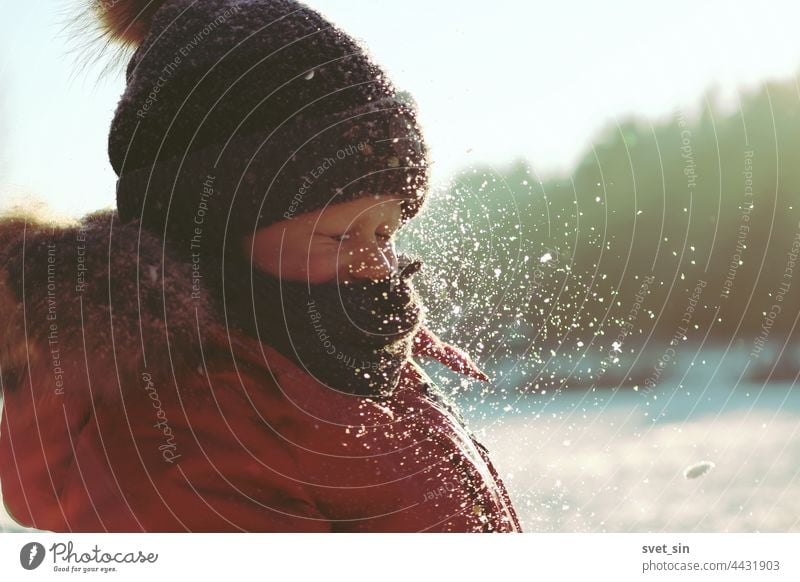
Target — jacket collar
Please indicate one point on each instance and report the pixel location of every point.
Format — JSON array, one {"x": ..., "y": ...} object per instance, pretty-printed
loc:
[{"x": 426, "y": 344}]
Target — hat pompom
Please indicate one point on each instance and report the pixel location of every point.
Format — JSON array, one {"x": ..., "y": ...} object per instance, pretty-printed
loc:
[{"x": 126, "y": 21}]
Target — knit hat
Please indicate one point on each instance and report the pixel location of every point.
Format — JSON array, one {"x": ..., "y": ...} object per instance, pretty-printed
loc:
[{"x": 241, "y": 113}]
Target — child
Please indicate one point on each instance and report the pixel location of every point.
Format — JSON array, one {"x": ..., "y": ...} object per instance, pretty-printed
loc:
[{"x": 232, "y": 349}]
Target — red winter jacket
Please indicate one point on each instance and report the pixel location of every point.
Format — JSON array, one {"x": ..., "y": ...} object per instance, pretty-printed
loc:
[{"x": 95, "y": 439}]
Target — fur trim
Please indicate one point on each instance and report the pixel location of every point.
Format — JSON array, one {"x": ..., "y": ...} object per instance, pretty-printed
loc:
[
  {"x": 126, "y": 21},
  {"x": 95, "y": 294}
]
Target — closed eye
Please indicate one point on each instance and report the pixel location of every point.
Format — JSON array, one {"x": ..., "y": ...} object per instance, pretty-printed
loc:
[{"x": 335, "y": 237}]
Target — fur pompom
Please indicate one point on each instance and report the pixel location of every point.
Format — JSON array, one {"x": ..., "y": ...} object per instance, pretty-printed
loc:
[{"x": 126, "y": 21}]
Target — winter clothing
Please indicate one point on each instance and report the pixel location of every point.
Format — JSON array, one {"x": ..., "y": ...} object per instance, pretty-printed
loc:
[
  {"x": 283, "y": 111},
  {"x": 355, "y": 338},
  {"x": 129, "y": 406}
]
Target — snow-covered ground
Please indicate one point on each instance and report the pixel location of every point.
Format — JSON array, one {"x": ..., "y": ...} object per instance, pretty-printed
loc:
[
  {"x": 614, "y": 460},
  {"x": 612, "y": 476}
]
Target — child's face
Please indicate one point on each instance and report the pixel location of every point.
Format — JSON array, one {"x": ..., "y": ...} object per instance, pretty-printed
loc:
[{"x": 351, "y": 239}]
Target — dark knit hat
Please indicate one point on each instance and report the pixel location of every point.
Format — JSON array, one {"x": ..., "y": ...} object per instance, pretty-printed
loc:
[{"x": 241, "y": 113}]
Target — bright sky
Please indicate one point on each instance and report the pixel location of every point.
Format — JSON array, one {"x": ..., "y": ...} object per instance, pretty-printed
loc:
[{"x": 494, "y": 80}]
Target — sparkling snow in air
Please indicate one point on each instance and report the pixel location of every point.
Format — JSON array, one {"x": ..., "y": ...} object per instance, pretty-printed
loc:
[{"x": 593, "y": 425}]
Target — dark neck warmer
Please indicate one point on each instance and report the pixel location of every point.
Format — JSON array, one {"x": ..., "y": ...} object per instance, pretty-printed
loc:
[{"x": 353, "y": 338}]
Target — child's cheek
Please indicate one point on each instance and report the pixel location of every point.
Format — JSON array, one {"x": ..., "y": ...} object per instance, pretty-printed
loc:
[{"x": 323, "y": 265}]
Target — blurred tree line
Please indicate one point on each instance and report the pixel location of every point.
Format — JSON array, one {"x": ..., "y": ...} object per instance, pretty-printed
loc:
[{"x": 704, "y": 202}]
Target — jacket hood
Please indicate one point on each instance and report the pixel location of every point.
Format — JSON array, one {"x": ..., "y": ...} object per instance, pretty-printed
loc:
[{"x": 94, "y": 291}]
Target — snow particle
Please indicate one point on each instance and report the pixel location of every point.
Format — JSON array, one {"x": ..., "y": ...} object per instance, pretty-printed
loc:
[
  {"x": 698, "y": 469},
  {"x": 152, "y": 273}
]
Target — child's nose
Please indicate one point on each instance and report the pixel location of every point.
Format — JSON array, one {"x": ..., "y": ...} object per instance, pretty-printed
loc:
[{"x": 376, "y": 262}]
